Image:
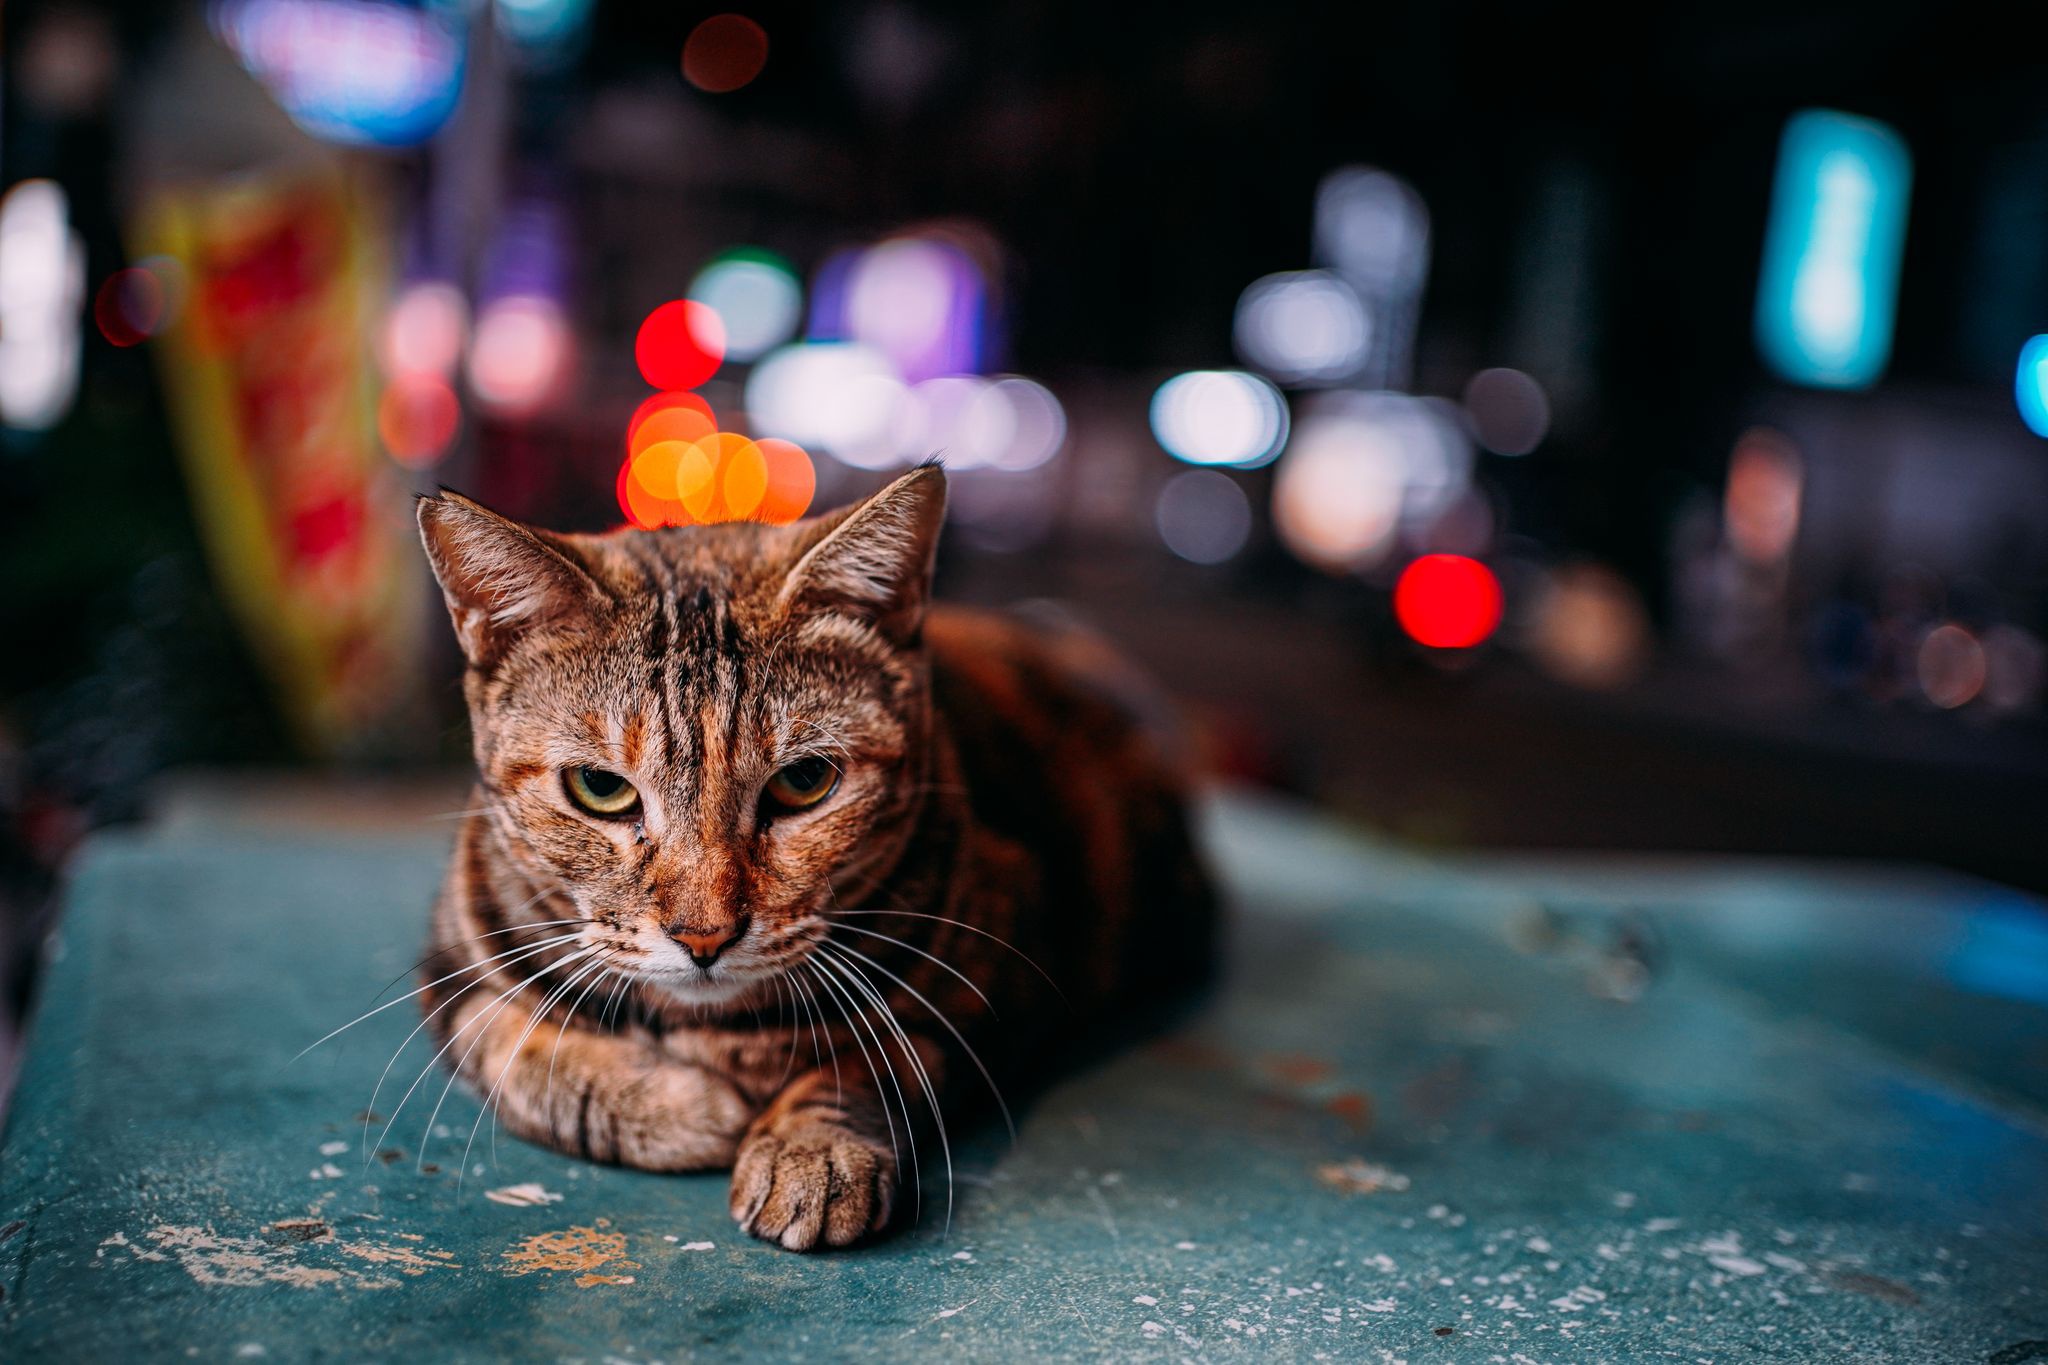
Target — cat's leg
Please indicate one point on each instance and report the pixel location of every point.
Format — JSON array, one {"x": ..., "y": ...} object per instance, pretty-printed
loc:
[
  {"x": 608, "y": 1097},
  {"x": 819, "y": 1167}
]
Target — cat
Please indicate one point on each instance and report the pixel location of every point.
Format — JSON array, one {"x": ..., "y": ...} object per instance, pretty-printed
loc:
[{"x": 833, "y": 858}]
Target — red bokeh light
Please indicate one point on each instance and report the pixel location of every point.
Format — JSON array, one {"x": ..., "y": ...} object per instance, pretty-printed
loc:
[
  {"x": 724, "y": 53},
  {"x": 1447, "y": 601},
  {"x": 130, "y": 307},
  {"x": 680, "y": 345}
]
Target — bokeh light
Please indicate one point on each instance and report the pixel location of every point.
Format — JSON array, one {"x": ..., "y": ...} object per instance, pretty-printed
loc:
[
  {"x": 757, "y": 297},
  {"x": 351, "y": 71},
  {"x": 680, "y": 345},
  {"x": 669, "y": 417},
  {"x": 2030, "y": 385},
  {"x": 1509, "y": 410},
  {"x": 1302, "y": 327},
  {"x": 1951, "y": 666},
  {"x": 1373, "y": 228},
  {"x": 721, "y": 476},
  {"x": 42, "y": 288},
  {"x": 1203, "y": 516},
  {"x": 417, "y": 418},
  {"x": 1359, "y": 468},
  {"x": 2015, "y": 661},
  {"x": 1219, "y": 417},
  {"x": 519, "y": 356},
  {"x": 791, "y": 481},
  {"x": 544, "y": 28},
  {"x": 1830, "y": 278},
  {"x": 1588, "y": 628},
  {"x": 1038, "y": 424},
  {"x": 1447, "y": 601},
  {"x": 917, "y": 300},
  {"x": 840, "y": 397},
  {"x": 425, "y": 331},
  {"x": 724, "y": 53},
  {"x": 1761, "y": 504},
  {"x": 130, "y": 307}
]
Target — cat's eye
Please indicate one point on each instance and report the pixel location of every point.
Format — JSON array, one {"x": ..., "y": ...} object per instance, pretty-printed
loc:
[
  {"x": 601, "y": 792},
  {"x": 803, "y": 783}
]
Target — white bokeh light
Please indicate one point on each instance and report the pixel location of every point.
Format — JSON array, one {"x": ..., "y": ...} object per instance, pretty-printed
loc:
[
  {"x": 759, "y": 301},
  {"x": 1302, "y": 327},
  {"x": 1219, "y": 417},
  {"x": 1359, "y": 469},
  {"x": 840, "y": 397}
]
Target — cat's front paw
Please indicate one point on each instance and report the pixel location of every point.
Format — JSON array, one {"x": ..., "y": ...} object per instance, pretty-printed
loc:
[{"x": 817, "y": 1185}]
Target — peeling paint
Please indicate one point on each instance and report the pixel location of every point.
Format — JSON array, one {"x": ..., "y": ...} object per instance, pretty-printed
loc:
[{"x": 586, "y": 1249}]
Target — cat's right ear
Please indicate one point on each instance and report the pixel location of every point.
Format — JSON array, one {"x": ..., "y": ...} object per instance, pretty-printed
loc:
[{"x": 500, "y": 578}]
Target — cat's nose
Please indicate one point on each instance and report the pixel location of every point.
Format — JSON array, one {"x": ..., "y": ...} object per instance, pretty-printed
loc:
[{"x": 705, "y": 948}]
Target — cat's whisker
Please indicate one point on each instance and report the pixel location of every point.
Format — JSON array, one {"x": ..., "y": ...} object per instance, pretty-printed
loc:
[
  {"x": 530, "y": 950},
  {"x": 618, "y": 994},
  {"x": 817, "y": 1021},
  {"x": 931, "y": 1094},
  {"x": 475, "y": 938},
  {"x": 482, "y": 1025},
  {"x": 547, "y": 1105},
  {"x": 958, "y": 1037},
  {"x": 947, "y": 966},
  {"x": 786, "y": 999},
  {"x": 461, "y": 971},
  {"x": 973, "y": 929},
  {"x": 548, "y": 1001},
  {"x": 854, "y": 1023}
]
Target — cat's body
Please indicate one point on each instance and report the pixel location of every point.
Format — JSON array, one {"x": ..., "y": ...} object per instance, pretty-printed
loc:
[{"x": 838, "y": 803}]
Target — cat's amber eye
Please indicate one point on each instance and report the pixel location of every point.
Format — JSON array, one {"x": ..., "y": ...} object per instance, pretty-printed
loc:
[
  {"x": 803, "y": 783},
  {"x": 600, "y": 792}
]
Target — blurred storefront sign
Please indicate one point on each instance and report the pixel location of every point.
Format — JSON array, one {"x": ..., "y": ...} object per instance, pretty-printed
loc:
[{"x": 273, "y": 397}]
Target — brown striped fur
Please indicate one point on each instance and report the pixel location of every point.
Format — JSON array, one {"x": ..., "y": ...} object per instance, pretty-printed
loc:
[{"x": 1000, "y": 813}]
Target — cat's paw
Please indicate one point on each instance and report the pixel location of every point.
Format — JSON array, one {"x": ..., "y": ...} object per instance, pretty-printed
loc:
[
  {"x": 817, "y": 1185},
  {"x": 666, "y": 1118}
]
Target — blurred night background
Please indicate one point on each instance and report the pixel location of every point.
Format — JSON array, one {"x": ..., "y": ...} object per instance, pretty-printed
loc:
[{"x": 1508, "y": 425}]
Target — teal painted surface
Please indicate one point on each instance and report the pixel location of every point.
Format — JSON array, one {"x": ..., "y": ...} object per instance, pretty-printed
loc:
[{"x": 1430, "y": 1095}]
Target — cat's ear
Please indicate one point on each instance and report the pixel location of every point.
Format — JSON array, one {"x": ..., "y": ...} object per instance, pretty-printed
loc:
[
  {"x": 873, "y": 561},
  {"x": 500, "y": 578}
]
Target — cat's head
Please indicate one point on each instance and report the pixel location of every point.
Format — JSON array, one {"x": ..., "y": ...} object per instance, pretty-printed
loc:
[{"x": 698, "y": 737}]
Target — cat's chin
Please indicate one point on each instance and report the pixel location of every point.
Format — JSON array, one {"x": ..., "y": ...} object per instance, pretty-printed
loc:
[{"x": 694, "y": 988}]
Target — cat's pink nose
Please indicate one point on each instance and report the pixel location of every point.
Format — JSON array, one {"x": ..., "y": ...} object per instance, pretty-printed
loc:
[{"x": 705, "y": 948}]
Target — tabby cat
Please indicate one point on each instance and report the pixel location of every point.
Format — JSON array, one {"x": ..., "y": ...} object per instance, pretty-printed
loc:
[{"x": 770, "y": 866}]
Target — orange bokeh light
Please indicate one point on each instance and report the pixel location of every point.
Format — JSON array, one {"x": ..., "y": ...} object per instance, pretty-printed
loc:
[
  {"x": 721, "y": 476},
  {"x": 676, "y": 422},
  {"x": 790, "y": 482},
  {"x": 724, "y": 53},
  {"x": 417, "y": 416},
  {"x": 680, "y": 345}
]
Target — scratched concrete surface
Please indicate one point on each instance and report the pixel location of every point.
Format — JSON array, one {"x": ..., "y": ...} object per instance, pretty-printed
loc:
[{"x": 1488, "y": 1109}]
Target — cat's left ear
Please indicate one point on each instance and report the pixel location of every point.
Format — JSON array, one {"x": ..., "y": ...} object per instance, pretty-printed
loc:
[
  {"x": 874, "y": 561},
  {"x": 500, "y": 578}
]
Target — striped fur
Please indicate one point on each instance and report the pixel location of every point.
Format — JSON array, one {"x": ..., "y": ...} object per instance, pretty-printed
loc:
[{"x": 999, "y": 814}]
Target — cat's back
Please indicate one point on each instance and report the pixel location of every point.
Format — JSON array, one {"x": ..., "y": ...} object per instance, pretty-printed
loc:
[{"x": 1068, "y": 750}]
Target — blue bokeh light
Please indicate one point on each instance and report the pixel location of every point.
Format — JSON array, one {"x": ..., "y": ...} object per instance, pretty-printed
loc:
[
  {"x": 1829, "y": 286},
  {"x": 2030, "y": 384}
]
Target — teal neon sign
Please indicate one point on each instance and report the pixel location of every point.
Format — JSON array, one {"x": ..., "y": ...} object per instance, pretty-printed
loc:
[{"x": 1830, "y": 282}]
